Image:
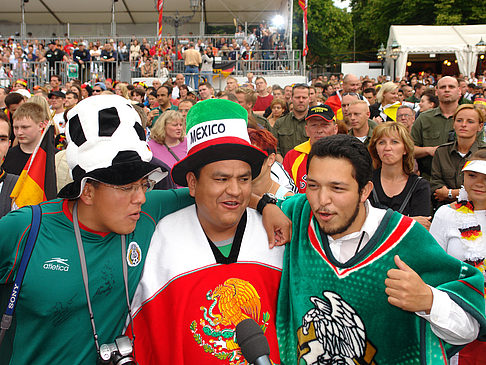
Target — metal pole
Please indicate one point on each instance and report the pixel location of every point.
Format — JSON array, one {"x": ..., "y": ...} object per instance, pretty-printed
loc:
[
  {"x": 202, "y": 30},
  {"x": 22, "y": 25},
  {"x": 305, "y": 45},
  {"x": 394, "y": 69},
  {"x": 176, "y": 27},
  {"x": 113, "y": 25},
  {"x": 290, "y": 24}
]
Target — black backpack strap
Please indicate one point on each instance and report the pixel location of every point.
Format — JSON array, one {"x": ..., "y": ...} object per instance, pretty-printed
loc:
[
  {"x": 29, "y": 247},
  {"x": 409, "y": 195}
]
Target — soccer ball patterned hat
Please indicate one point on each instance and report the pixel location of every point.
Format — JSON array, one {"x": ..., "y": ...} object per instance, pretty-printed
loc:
[
  {"x": 106, "y": 142},
  {"x": 217, "y": 131}
]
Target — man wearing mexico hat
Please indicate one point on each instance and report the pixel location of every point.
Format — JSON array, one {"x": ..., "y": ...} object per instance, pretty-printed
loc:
[
  {"x": 209, "y": 266},
  {"x": 319, "y": 123}
]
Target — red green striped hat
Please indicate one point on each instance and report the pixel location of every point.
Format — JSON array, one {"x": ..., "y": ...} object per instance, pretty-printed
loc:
[{"x": 217, "y": 130}]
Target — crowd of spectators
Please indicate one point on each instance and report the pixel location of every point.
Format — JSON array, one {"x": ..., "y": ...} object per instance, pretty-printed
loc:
[
  {"x": 26, "y": 58},
  {"x": 419, "y": 130}
]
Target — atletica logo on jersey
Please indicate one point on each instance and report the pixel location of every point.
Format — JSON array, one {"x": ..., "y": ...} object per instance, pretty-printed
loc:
[
  {"x": 134, "y": 254},
  {"x": 56, "y": 264}
]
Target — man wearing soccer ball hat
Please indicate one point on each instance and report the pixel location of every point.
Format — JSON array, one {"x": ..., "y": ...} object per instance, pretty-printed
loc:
[
  {"x": 209, "y": 265},
  {"x": 91, "y": 245}
]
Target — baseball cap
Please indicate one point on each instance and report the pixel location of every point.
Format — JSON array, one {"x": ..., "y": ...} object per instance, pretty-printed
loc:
[
  {"x": 322, "y": 111},
  {"x": 59, "y": 94}
]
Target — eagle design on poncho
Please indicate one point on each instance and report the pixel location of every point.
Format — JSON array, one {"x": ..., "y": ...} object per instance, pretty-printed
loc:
[
  {"x": 237, "y": 300},
  {"x": 338, "y": 328}
]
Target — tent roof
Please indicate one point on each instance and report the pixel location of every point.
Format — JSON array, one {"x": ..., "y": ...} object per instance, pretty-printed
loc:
[
  {"x": 137, "y": 11},
  {"x": 436, "y": 39}
]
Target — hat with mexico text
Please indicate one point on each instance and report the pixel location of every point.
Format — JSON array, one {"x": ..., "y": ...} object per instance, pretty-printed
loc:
[
  {"x": 322, "y": 111},
  {"x": 106, "y": 142},
  {"x": 217, "y": 131}
]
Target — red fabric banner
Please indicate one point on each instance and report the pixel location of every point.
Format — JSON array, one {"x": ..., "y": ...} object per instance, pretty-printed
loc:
[
  {"x": 160, "y": 9},
  {"x": 303, "y": 5}
]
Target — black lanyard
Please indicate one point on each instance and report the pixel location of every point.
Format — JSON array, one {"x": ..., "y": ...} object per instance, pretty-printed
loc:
[{"x": 84, "y": 271}]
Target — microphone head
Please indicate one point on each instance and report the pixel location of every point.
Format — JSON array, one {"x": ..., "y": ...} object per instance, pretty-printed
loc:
[{"x": 251, "y": 340}]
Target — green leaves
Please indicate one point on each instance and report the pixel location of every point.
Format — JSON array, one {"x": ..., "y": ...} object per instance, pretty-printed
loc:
[{"x": 330, "y": 31}]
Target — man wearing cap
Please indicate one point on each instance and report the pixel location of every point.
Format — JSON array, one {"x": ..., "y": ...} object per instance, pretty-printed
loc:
[
  {"x": 320, "y": 123},
  {"x": 54, "y": 56},
  {"x": 81, "y": 56},
  {"x": 19, "y": 84},
  {"x": 109, "y": 57},
  {"x": 56, "y": 101},
  {"x": 209, "y": 266},
  {"x": 108, "y": 158},
  {"x": 98, "y": 88}
]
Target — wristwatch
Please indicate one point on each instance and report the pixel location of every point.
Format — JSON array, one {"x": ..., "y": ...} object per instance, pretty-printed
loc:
[
  {"x": 267, "y": 198},
  {"x": 449, "y": 194}
]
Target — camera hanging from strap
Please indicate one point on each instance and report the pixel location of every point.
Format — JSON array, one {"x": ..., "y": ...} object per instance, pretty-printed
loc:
[{"x": 84, "y": 271}]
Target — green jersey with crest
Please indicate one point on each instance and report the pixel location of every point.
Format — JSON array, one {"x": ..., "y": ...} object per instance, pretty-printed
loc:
[{"x": 51, "y": 323}]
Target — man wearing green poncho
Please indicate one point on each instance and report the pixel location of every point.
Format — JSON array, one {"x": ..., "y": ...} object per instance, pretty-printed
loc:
[{"x": 362, "y": 285}]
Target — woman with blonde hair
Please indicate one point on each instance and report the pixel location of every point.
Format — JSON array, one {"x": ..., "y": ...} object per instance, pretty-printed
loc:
[
  {"x": 385, "y": 109},
  {"x": 449, "y": 158},
  {"x": 167, "y": 138},
  {"x": 395, "y": 186}
]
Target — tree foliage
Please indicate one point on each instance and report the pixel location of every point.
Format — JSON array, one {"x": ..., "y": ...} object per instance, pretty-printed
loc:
[
  {"x": 330, "y": 31},
  {"x": 372, "y": 18}
]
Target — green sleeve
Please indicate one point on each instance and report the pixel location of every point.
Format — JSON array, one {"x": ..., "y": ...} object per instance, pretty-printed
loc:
[
  {"x": 291, "y": 204},
  {"x": 161, "y": 203},
  {"x": 14, "y": 228}
]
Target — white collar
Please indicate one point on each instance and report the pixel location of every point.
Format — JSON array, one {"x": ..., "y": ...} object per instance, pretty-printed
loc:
[{"x": 373, "y": 219}]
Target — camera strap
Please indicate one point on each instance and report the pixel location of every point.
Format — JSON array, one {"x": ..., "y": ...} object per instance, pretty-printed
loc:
[
  {"x": 29, "y": 247},
  {"x": 84, "y": 271}
]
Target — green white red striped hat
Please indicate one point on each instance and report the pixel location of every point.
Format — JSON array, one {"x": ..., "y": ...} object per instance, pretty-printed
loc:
[{"x": 216, "y": 131}]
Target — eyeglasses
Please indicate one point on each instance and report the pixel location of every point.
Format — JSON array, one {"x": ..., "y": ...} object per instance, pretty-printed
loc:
[
  {"x": 404, "y": 116},
  {"x": 132, "y": 188},
  {"x": 96, "y": 90}
]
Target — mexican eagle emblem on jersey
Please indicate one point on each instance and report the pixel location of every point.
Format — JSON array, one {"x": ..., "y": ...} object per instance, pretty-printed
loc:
[
  {"x": 230, "y": 303},
  {"x": 333, "y": 333},
  {"x": 134, "y": 254}
]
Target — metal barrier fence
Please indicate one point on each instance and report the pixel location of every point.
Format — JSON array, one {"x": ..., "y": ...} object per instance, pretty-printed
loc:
[
  {"x": 283, "y": 63},
  {"x": 39, "y": 73}
]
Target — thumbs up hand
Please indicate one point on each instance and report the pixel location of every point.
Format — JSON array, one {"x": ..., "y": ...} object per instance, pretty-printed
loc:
[{"x": 406, "y": 290}]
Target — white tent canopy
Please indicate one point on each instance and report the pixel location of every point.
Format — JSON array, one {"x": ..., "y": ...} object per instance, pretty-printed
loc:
[
  {"x": 423, "y": 39},
  {"x": 136, "y": 13}
]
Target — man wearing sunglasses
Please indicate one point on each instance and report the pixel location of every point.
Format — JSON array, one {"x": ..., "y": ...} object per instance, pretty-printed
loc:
[{"x": 91, "y": 246}]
